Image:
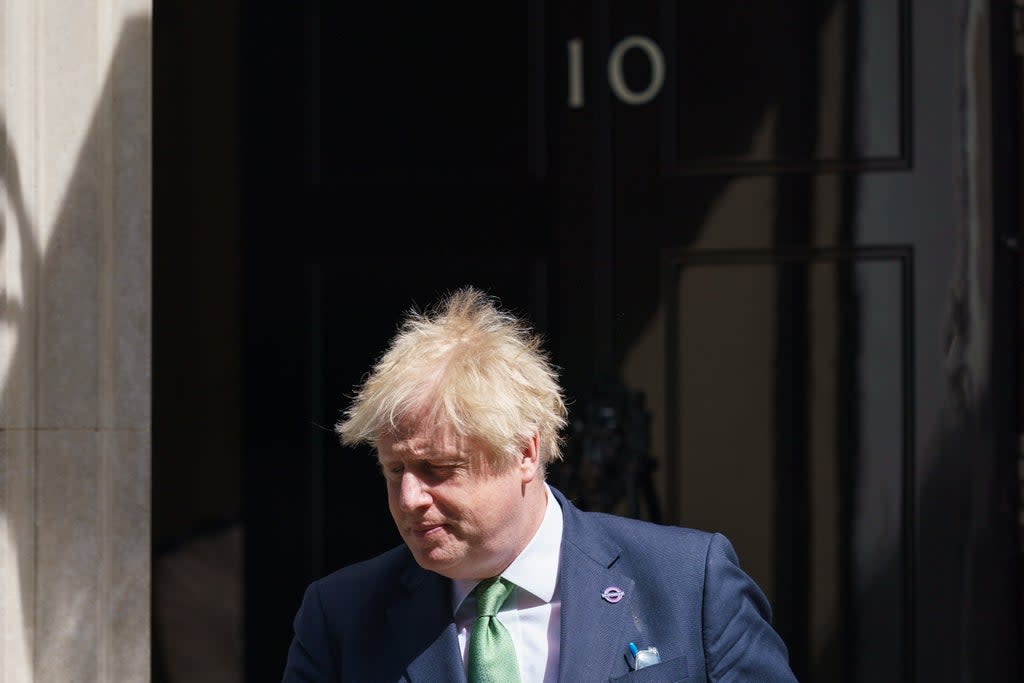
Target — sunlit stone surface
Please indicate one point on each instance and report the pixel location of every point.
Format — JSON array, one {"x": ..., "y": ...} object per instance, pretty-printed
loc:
[{"x": 75, "y": 337}]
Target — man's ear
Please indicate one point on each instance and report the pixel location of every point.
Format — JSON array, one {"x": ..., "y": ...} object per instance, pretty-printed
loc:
[{"x": 529, "y": 459}]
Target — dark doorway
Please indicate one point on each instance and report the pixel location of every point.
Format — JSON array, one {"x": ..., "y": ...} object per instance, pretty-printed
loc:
[{"x": 781, "y": 223}]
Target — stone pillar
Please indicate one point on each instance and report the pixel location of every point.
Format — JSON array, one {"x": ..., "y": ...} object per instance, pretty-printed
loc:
[{"x": 75, "y": 173}]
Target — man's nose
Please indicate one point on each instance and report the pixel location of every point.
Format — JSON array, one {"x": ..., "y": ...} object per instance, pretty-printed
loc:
[{"x": 413, "y": 493}]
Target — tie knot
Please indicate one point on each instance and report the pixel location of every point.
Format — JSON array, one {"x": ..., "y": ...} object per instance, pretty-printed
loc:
[{"x": 491, "y": 594}]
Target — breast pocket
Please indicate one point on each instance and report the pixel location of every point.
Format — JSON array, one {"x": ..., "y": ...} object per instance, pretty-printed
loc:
[{"x": 669, "y": 671}]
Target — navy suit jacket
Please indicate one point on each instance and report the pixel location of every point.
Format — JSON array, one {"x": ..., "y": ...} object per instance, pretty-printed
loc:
[{"x": 387, "y": 619}]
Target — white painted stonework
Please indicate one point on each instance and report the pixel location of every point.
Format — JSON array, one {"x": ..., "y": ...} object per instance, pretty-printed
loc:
[{"x": 75, "y": 336}]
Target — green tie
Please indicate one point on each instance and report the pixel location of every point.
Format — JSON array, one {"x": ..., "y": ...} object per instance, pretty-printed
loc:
[{"x": 492, "y": 654}]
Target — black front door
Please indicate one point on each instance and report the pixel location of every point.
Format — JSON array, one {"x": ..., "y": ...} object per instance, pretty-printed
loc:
[{"x": 778, "y": 221}]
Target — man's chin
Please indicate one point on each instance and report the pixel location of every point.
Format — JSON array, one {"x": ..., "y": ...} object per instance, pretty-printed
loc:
[
  {"x": 432, "y": 562},
  {"x": 435, "y": 559}
]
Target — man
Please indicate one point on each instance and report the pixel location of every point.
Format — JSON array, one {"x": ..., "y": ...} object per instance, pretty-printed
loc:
[{"x": 501, "y": 578}]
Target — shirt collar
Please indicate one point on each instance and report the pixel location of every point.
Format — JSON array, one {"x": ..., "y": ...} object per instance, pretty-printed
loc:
[{"x": 536, "y": 568}]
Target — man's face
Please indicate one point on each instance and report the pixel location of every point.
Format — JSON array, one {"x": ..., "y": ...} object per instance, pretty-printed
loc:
[{"x": 459, "y": 517}]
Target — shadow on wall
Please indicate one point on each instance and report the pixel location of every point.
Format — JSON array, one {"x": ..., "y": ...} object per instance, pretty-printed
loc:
[
  {"x": 22, "y": 255},
  {"x": 74, "y": 377}
]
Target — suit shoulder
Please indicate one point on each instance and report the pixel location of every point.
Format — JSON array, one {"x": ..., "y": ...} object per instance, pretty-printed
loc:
[
  {"x": 628, "y": 531},
  {"x": 363, "y": 581},
  {"x": 647, "y": 547}
]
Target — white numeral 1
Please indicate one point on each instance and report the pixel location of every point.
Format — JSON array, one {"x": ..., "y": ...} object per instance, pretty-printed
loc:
[{"x": 575, "y": 73}]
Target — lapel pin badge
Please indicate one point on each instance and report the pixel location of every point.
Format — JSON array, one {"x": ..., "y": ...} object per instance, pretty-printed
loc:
[{"x": 612, "y": 594}]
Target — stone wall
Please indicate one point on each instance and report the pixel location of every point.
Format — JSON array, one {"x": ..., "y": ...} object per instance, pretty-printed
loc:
[{"x": 75, "y": 337}]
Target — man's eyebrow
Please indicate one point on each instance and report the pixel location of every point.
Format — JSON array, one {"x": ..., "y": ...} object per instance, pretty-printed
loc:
[{"x": 436, "y": 458}]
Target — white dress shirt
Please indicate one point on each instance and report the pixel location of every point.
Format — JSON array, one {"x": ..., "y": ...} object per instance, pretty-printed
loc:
[{"x": 533, "y": 613}]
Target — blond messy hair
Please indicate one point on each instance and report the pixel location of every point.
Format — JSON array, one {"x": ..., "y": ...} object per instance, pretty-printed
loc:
[{"x": 470, "y": 366}]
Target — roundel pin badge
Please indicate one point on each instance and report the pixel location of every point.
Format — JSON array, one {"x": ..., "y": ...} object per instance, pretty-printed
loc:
[{"x": 613, "y": 594}]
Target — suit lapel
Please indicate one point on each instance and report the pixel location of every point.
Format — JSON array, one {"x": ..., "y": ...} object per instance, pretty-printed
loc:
[
  {"x": 421, "y": 620},
  {"x": 595, "y": 632}
]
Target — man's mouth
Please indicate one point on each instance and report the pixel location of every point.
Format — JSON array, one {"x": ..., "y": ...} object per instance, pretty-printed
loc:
[{"x": 426, "y": 530}]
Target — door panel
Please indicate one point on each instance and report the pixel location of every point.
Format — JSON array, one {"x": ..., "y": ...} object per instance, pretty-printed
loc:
[
  {"x": 857, "y": 391},
  {"x": 812, "y": 85},
  {"x": 798, "y": 449}
]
